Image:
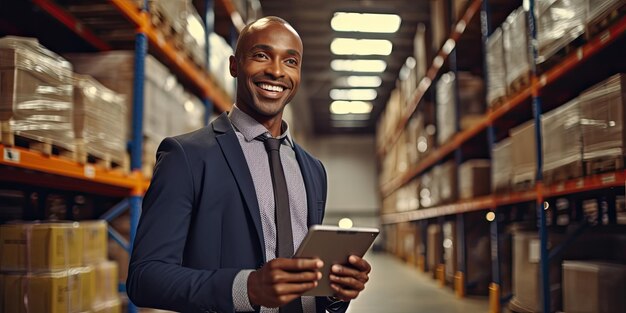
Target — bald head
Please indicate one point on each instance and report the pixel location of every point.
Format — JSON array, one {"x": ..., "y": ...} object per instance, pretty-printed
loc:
[{"x": 259, "y": 25}]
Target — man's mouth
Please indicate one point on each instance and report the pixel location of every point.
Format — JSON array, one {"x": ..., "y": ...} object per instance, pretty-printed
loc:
[{"x": 269, "y": 87}]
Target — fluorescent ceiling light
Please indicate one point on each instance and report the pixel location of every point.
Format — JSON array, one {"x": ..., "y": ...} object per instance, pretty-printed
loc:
[
  {"x": 353, "y": 94},
  {"x": 351, "y": 46},
  {"x": 364, "y": 81},
  {"x": 350, "y": 107},
  {"x": 375, "y": 66},
  {"x": 365, "y": 22},
  {"x": 350, "y": 117}
]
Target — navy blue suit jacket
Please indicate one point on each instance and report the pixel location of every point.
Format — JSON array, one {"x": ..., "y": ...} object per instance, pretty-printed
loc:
[{"x": 201, "y": 224}]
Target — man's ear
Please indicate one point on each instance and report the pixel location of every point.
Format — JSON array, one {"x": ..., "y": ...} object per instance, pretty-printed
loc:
[{"x": 232, "y": 66}]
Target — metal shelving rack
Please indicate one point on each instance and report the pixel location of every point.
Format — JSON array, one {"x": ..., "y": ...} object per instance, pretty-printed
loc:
[
  {"x": 528, "y": 97},
  {"x": 21, "y": 165}
]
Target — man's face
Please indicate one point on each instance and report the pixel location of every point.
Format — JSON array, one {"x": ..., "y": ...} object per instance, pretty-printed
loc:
[{"x": 267, "y": 69}]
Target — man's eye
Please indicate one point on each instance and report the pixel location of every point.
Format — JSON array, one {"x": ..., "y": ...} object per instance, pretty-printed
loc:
[
  {"x": 292, "y": 62},
  {"x": 260, "y": 55}
]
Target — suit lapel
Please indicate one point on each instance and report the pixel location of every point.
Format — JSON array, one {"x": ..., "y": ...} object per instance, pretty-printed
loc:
[
  {"x": 309, "y": 185},
  {"x": 236, "y": 160}
]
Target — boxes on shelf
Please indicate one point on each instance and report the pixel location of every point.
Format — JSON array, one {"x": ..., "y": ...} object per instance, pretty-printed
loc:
[
  {"x": 593, "y": 287},
  {"x": 478, "y": 259},
  {"x": 526, "y": 273},
  {"x": 113, "y": 306},
  {"x": 449, "y": 250},
  {"x": 421, "y": 51},
  {"x": 40, "y": 246},
  {"x": 502, "y": 174},
  {"x": 99, "y": 122},
  {"x": 407, "y": 82},
  {"x": 562, "y": 143},
  {"x": 475, "y": 178},
  {"x": 523, "y": 156},
  {"x": 603, "y": 116},
  {"x": 447, "y": 182},
  {"x": 428, "y": 190},
  {"x": 94, "y": 241},
  {"x": 106, "y": 281},
  {"x": 12, "y": 205},
  {"x": 434, "y": 247},
  {"x": 559, "y": 23},
  {"x": 440, "y": 22},
  {"x": 472, "y": 99},
  {"x": 35, "y": 94},
  {"x": 496, "y": 68},
  {"x": 69, "y": 291},
  {"x": 516, "y": 52},
  {"x": 446, "y": 108},
  {"x": 600, "y": 13},
  {"x": 219, "y": 51}
]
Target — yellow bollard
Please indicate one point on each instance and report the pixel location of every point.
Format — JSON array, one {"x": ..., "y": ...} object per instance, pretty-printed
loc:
[
  {"x": 494, "y": 298},
  {"x": 459, "y": 284},
  {"x": 441, "y": 275}
]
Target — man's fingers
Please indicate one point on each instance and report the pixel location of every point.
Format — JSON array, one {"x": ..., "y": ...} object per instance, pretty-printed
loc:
[
  {"x": 345, "y": 271},
  {"x": 344, "y": 294},
  {"x": 360, "y": 264},
  {"x": 296, "y": 265},
  {"x": 281, "y": 276},
  {"x": 292, "y": 289}
]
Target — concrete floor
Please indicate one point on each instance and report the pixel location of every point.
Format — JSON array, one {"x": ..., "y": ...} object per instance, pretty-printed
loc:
[{"x": 394, "y": 287}]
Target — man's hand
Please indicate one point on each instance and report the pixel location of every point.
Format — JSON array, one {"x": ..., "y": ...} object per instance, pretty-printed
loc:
[
  {"x": 282, "y": 280},
  {"x": 349, "y": 281}
]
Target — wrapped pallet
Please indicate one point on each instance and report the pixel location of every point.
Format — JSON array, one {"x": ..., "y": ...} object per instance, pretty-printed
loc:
[
  {"x": 559, "y": 22},
  {"x": 598, "y": 11},
  {"x": 496, "y": 68},
  {"x": 516, "y": 50},
  {"x": 502, "y": 174},
  {"x": 523, "y": 156},
  {"x": 602, "y": 119},
  {"x": 562, "y": 143},
  {"x": 35, "y": 94},
  {"x": 593, "y": 287},
  {"x": 446, "y": 108},
  {"x": 99, "y": 121},
  {"x": 188, "y": 116},
  {"x": 475, "y": 178}
]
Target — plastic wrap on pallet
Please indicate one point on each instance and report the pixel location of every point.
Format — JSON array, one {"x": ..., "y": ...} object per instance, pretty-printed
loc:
[
  {"x": 602, "y": 119},
  {"x": 36, "y": 92},
  {"x": 67, "y": 291},
  {"x": 559, "y": 22},
  {"x": 496, "y": 67},
  {"x": 446, "y": 108},
  {"x": 515, "y": 39},
  {"x": 593, "y": 287},
  {"x": 115, "y": 70},
  {"x": 562, "y": 136},
  {"x": 598, "y": 8},
  {"x": 99, "y": 119},
  {"x": 524, "y": 155},
  {"x": 475, "y": 178},
  {"x": 502, "y": 173},
  {"x": 194, "y": 37}
]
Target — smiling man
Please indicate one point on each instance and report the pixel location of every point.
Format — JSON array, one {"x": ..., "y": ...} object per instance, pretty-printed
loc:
[{"x": 229, "y": 203}]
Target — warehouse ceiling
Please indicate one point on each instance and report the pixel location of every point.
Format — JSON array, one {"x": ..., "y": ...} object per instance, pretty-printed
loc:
[{"x": 312, "y": 20}]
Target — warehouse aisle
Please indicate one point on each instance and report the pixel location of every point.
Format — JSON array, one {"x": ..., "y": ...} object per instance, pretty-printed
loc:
[{"x": 397, "y": 288}]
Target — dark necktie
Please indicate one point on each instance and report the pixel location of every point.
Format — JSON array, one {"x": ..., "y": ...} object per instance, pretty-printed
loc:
[{"x": 284, "y": 235}]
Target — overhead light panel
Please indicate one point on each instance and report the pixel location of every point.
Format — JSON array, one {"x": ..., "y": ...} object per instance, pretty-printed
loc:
[
  {"x": 374, "y": 66},
  {"x": 363, "y": 81},
  {"x": 365, "y": 22},
  {"x": 353, "y": 94},
  {"x": 351, "y": 46},
  {"x": 350, "y": 107}
]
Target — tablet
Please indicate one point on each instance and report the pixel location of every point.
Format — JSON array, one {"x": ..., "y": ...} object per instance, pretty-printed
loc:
[{"x": 334, "y": 245}]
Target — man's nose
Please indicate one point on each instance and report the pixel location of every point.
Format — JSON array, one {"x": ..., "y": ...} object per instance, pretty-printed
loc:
[{"x": 275, "y": 69}]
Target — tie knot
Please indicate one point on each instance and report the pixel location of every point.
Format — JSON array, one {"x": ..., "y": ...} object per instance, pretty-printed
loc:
[{"x": 272, "y": 143}]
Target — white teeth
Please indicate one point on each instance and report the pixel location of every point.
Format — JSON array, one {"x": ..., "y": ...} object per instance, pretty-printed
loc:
[{"x": 271, "y": 87}]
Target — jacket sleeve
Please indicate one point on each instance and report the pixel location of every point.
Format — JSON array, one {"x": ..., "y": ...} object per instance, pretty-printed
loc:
[{"x": 156, "y": 277}]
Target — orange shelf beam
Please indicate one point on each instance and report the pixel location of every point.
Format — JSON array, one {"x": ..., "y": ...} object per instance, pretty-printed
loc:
[
  {"x": 235, "y": 17},
  {"x": 431, "y": 74},
  {"x": 199, "y": 78},
  {"x": 35, "y": 161}
]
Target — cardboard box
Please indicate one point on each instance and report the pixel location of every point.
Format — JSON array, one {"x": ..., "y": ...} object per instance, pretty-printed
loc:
[
  {"x": 113, "y": 306},
  {"x": 593, "y": 287},
  {"x": 52, "y": 292},
  {"x": 40, "y": 246},
  {"x": 562, "y": 142},
  {"x": 502, "y": 174},
  {"x": 524, "y": 156},
  {"x": 475, "y": 178},
  {"x": 107, "y": 280},
  {"x": 447, "y": 182},
  {"x": 94, "y": 241}
]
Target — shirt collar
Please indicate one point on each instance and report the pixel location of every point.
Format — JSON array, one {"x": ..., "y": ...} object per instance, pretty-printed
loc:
[{"x": 251, "y": 128}]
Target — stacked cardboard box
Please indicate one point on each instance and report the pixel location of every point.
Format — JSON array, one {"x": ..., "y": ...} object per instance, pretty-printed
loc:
[
  {"x": 593, "y": 287},
  {"x": 475, "y": 178},
  {"x": 35, "y": 94},
  {"x": 446, "y": 108},
  {"x": 516, "y": 54},
  {"x": 496, "y": 68},
  {"x": 447, "y": 182},
  {"x": 502, "y": 173},
  {"x": 524, "y": 156}
]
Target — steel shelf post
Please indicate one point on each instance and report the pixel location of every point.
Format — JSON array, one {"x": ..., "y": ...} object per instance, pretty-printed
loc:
[{"x": 209, "y": 26}]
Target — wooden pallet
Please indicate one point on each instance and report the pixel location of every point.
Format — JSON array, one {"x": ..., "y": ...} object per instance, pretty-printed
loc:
[
  {"x": 44, "y": 146},
  {"x": 119, "y": 162},
  {"x": 498, "y": 102},
  {"x": 563, "y": 173},
  {"x": 604, "y": 164},
  {"x": 520, "y": 83},
  {"x": 605, "y": 20}
]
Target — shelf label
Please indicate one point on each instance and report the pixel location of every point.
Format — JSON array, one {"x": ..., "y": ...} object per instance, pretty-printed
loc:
[
  {"x": 579, "y": 54},
  {"x": 11, "y": 155},
  {"x": 607, "y": 179},
  {"x": 605, "y": 36},
  {"x": 90, "y": 171}
]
